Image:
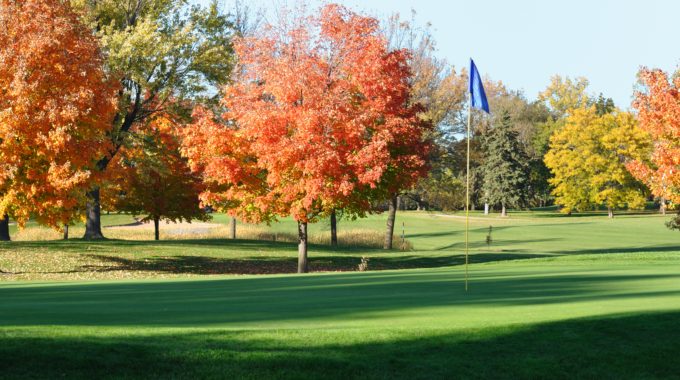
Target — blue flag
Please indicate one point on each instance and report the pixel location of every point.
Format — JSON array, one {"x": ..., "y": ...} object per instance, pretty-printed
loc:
[{"x": 477, "y": 94}]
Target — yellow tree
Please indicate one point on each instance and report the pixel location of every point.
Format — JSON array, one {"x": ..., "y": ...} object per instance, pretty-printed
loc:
[
  {"x": 565, "y": 94},
  {"x": 588, "y": 160}
]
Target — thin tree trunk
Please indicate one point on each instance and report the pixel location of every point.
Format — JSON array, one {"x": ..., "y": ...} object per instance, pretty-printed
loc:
[
  {"x": 4, "y": 228},
  {"x": 233, "y": 228},
  {"x": 156, "y": 228},
  {"x": 391, "y": 216},
  {"x": 610, "y": 212},
  {"x": 486, "y": 209},
  {"x": 93, "y": 224},
  {"x": 65, "y": 231},
  {"x": 662, "y": 206},
  {"x": 504, "y": 212},
  {"x": 302, "y": 248},
  {"x": 334, "y": 230}
]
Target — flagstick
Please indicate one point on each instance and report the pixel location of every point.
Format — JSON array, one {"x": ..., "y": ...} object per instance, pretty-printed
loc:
[{"x": 467, "y": 190}]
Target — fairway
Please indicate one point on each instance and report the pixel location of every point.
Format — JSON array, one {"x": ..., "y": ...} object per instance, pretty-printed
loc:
[
  {"x": 249, "y": 189},
  {"x": 559, "y": 296}
]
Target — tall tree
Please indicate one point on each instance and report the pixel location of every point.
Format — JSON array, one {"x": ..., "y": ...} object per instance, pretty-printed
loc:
[
  {"x": 56, "y": 107},
  {"x": 150, "y": 178},
  {"x": 320, "y": 122},
  {"x": 440, "y": 89},
  {"x": 527, "y": 120},
  {"x": 588, "y": 159},
  {"x": 505, "y": 166},
  {"x": 658, "y": 105},
  {"x": 565, "y": 94},
  {"x": 168, "y": 55}
]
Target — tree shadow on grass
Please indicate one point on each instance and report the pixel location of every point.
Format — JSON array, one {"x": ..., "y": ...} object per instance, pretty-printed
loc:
[
  {"x": 611, "y": 347},
  {"x": 207, "y": 265},
  {"x": 654, "y": 248},
  {"x": 106, "y": 245},
  {"x": 277, "y": 299},
  {"x": 497, "y": 243}
]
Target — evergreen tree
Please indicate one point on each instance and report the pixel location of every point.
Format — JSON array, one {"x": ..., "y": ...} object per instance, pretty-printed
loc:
[
  {"x": 604, "y": 105},
  {"x": 505, "y": 166}
]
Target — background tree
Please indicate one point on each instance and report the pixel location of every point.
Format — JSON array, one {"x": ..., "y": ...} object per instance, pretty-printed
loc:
[
  {"x": 149, "y": 177},
  {"x": 320, "y": 122},
  {"x": 565, "y": 94},
  {"x": 526, "y": 119},
  {"x": 588, "y": 160},
  {"x": 658, "y": 105},
  {"x": 440, "y": 89},
  {"x": 505, "y": 166},
  {"x": 168, "y": 54},
  {"x": 56, "y": 107}
]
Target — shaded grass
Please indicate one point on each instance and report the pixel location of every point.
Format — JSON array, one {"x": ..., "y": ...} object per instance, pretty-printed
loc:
[
  {"x": 606, "y": 315},
  {"x": 622, "y": 346},
  {"x": 553, "y": 297}
]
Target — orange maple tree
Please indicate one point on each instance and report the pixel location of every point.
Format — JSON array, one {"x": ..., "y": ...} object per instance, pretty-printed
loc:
[
  {"x": 56, "y": 106},
  {"x": 148, "y": 177},
  {"x": 318, "y": 119},
  {"x": 658, "y": 106}
]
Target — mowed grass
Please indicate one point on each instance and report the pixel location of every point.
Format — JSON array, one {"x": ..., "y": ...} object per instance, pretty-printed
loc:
[
  {"x": 551, "y": 297},
  {"x": 433, "y": 240}
]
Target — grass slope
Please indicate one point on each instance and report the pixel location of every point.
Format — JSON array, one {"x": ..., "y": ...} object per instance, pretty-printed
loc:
[
  {"x": 437, "y": 241},
  {"x": 608, "y": 316},
  {"x": 589, "y": 298}
]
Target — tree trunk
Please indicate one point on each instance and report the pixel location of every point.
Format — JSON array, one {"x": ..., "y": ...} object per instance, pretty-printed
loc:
[
  {"x": 610, "y": 212},
  {"x": 486, "y": 209},
  {"x": 504, "y": 213},
  {"x": 391, "y": 216},
  {"x": 662, "y": 206},
  {"x": 65, "y": 231},
  {"x": 4, "y": 228},
  {"x": 156, "y": 228},
  {"x": 302, "y": 248},
  {"x": 93, "y": 224},
  {"x": 334, "y": 230},
  {"x": 232, "y": 234}
]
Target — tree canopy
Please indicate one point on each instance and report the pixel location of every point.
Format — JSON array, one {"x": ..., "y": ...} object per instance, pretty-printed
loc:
[
  {"x": 56, "y": 107},
  {"x": 588, "y": 157},
  {"x": 318, "y": 120}
]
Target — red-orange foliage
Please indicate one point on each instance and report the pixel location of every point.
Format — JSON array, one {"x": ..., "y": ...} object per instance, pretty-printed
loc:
[
  {"x": 659, "y": 114},
  {"x": 148, "y": 176},
  {"x": 318, "y": 119},
  {"x": 56, "y": 106}
]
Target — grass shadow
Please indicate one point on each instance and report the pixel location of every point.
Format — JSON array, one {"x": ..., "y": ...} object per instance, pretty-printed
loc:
[
  {"x": 208, "y": 265},
  {"x": 611, "y": 347}
]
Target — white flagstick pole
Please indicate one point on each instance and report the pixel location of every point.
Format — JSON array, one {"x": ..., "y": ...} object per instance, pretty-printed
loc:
[{"x": 467, "y": 190}]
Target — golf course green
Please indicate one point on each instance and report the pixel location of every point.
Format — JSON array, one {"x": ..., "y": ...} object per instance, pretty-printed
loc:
[{"x": 550, "y": 296}]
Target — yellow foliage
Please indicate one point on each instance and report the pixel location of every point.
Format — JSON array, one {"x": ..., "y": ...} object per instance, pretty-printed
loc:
[{"x": 587, "y": 157}]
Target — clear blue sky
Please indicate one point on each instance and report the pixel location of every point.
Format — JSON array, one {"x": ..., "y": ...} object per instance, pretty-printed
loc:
[{"x": 524, "y": 42}]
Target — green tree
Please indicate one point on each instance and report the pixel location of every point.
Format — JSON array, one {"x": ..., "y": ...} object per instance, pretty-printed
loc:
[
  {"x": 604, "y": 105},
  {"x": 504, "y": 170},
  {"x": 588, "y": 158},
  {"x": 167, "y": 54}
]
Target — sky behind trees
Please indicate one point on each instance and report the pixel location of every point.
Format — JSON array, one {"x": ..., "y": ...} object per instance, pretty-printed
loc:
[{"x": 525, "y": 42}]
